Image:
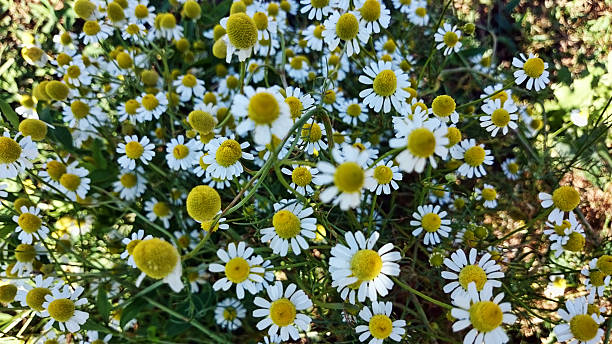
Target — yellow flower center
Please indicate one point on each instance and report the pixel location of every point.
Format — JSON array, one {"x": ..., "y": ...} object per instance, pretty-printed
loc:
[
  {"x": 311, "y": 132},
  {"x": 155, "y": 257},
  {"x": 575, "y": 243},
  {"x": 298, "y": 62},
  {"x": 405, "y": 2},
  {"x": 286, "y": 224},
  {"x": 237, "y": 270},
  {"x": 241, "y": 31},
  {"x": 329, "y": 97},
  {"x": 500, "y": 118},
  {"x": 132, "y": 245},
  {"x": 273, "y": 9},
  {"x": 438, "y": 191},
  {"x": 560, "y": 229},
  {"x": 489, "y": 194},
  {"x": 189, "y": 80},
  {"x": 149, "y": 102},
  {"x": 443, "y": 106},
  {"x": 30, "y": 223},
  {"x": 56, "y": 90},
  {"x": 502, "y": 96},
  {"x": 301, "y": 176},
  {"x": 282, "y": 312},
  {"x": 366, "y": 265},
  {"x": 141, "y": 11},
  {"x": 73, "y": 72},
  {"x": 453, "y": 135},
  {"x": 263, "y": 108},
  {"x": 421, "y": 12},
  {"x": 370, "y": 11},
  {"x": 134, "y": 150},
  {"x": 389, "y": 46},
  {"x": 318, "y": 31},
  {"x": 261, "y": 20},
  {"x": 10, "y": 150},
  {"x": 201, "y": 121},
  {"x": 191, "y": 9},
  {"x": 380, "y": 326},
  {"x": 161, "y": 209},
  {"x": 203, "y": 203},
  {"x": 131, "y": 106},
  {"x": 91, "y": 27},
  {"x": 534, "y": 67},
  {"x": 349, "y": 177},
  {"x": 230, "y": 313},
  {"x": 70, "y": 181},
  {"x": 79, "y": 109},
  {"x": 450, "y": 39},
  {"x": 472, "y": 273},
  {"x": 319, "y": 3},
  {"x": 421, "y": 143},
  {"x": 84, "y": 8},
  {"x": 485, "y": 316},
  {"x": 36, "y": 297},
  {"x": 583, "y": 327},
  {"x": 385, "y": 83},
  {"x": 61, "y": 309},
  {"x": 347, "y": 27},
  {"x": 180, "y": 151},
  {"x": 295, "y": 106},
  {"x": 566, "y": 198},
  {"x": 474, "y": 156},
  {"x": 63, "y": 59},
  {"x": 383, "y": 174},
  {"x": 604, "y": 263},
  {"x": 132, "y": 29},
  {"x": 34, "y": 128},
  {"x": 184, "y": 241},
  {"x": 168, "y": 21},
  {"x": 114, "y": 12},
  {"x": 597, "y": 278},
  {"x": 431, "y": 222},
  {"x": 128, "y": 180},
  {"x": 218, "y": 32},
  {"x": 228, "y": 153},
  {"x": 353, "y": 110},
  {"x": 7, "y": 293},
  {"x": 513, "y": 167}
]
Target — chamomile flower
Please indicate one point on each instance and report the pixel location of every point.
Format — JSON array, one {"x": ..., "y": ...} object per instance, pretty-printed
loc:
[
  {"x": 497, "y": 91},
  {"x": 556, "y": 286},
  {"x": 27, "y": 106},
  {"x": 223, "y": 157},
  {"x": 60, "y": 306},
  {"x": 388, "y": 85},
  {"x": 418, "y": 13},
  {"x": 422, "y": 140},
  {"x": 298, "y": 101},
  {"x": 511, "y": 169},
  {"x": 316, "y": 9},
  {"x": 95, "y": 31},
  {"x": 433, "y": 221},
  {"x": 84, "y": 115},
  {"x": 274, "y": 339},
  {"x": 347, "y": 27},
  {"x": 474, "y": 158},
  {"x": 256, "y": 70},
  {"x": 93, "y": 337},
  {"x": 488, "y": 194},
  {"x": 482, "y": 63},
  {"x": 241, "y": 36},
  {"x": 229, "y": 85},
  {"x": 264, "y": 25},
  {"x": 159, "y": 260},
  {"x": 16, "y": 154},
  {"x": 579, "y": 327},
  {"x": 34, "y": 55},
  {"x": 158, "y": 210},
  {"x": 263, "y": 111},
  {"x": 134, "y": 150},
  {"x": 281, "y": 313},
  {"x": 386, "y": 176},
  {"x": 596, "y": 280},
  {"x": 168, "y": 28},
  {"x": 228, "y": 314},
  {"x": 74, "y": 182},
  {"x": 51, "y": 337},
  {"x": 352, "y": 112},
  {"x": 439, "y": 194},
  {"x": 532, "y": 69},
  {"x": 207, "y": 225},
  {"x": 64, "y": 42},
  {"x": 301, "y": 178},
  {"x": 499, "y": 117},
  {"x": 181, "y": 155},
  {"x": 374, "y": 14},
  {"x": 240, "y": 269},
  {"x": 128, "y": 111},
  {"x": 298, "y": 67},
  {"x": 314, "y": 36},
  {"x": 131, "y": 184},
  {"x": 30, "y": 225},
  {"x": 151, "y": 105},
  {"x": 380, "y": 326},
  {"x": 404, "y": 6},
  {"x": 483, "y": 272},
  {"x": 139, "y": 12},
  {"x": 312, "y": 136},
  {"x": 449, "y": 39},
  {"x": 358, "y": 269},
  {"x": 130, "y": 243},
  {"x": 33, "y": 296},
  {"x": 348, "y": 177},
  {"x": 564, "y": 200},
  {"x": 486, "y": 316},
  {"x": 290, "y": 225},
  {"x": 188, "y": 86}
]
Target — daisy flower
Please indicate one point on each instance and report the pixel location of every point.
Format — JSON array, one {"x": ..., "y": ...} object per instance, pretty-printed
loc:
[
  {"x": 94, "y": 32},
  {"x": 131, "y": 184},
  {"x": 439, "y": 193},
  {"x": 316, "y": 9},
  {"x": 290, "y": 225},
  {"x": 134, "y": 150},
  {"x": 596, "y": 280},
  {"x": 418, "y": 13},
  {"x": 380, "y": 326},
  {"x": 298, "y": 101},
  {"x": 404, "y": 6},
  {"x": 130, "y": 243},
  {"x": 27, "y": 106},
  {"x": 64, "y": 42},
  {"x": 422, "y": 140},
  {"x": 181, "y": 155},
  {"x": 140, "y": 12},
  {"x": 264, "y": 25},
  {"x": 197, "y": 277},
  {"x": 281, "y": 313},
  {"x": 33, "y": 296},
  {"x": 443, "y": 107},
  {"x": 264, "y": 112},
  {"x": 128, "y": 111},
  {"x": 489, "y": 195},
  {"x": 74, "y": 183},
  {"x": 388, "y": 85},
  {"x": 160, "y": 260},
  {"x": 349, "y": 177},
  {"x": 312, "y": 136},
  {"x": 274, "y": 339},
  {"x": 241, "y": 36},
  {"x": 511, "y": 169},
  {"x": 579, "y": 327},
  {"x": 256, "y": 70},
  {"x": 497, "y": 91},
  {"x": 449, "y": 39},
  {"x": 76, "y": 74},
  {"x": 347, "y": 27},
  {"x": 486, "y": 316},
  {"x": 168, "y": 28},
  {"x": 474, "y": 158},
  {"x": 29, "y": 225},
  {"x": 152, "y": 105},
  {"x": 564, "y": 200},
  {"x": 357, "y": 268},
  {"x": 188, "y": 86},
  {"x": 60, "y": 307},
  {"x": 158, "y": 210},
  {"x": 482, "y": 63},
  {"x": 385, "y": 175},
  {"x": 301, "y": 178},
  {"x": 374, "y": 14},
  {"x": 432, "y": 220},
  {"x": 352, "y": 112},
  {"x": 556, "y": 286},
  {"x": 93, "y": 337},
  {"x": 484, "y": 273},
  {"x": 499, "y": 117},
  {"x": 298, "y": 68},
  {"x": 84, "y": 115},
  {"x": 228, "y": 314},
  {"x": 51, "y": 337},
  {"x": 223, "y": 157},
  {"x": 566, "y": 235},
  {"x": 16, "y": 154},
  {"x": 532, "y": 69},
  {"x": 240, "y": 269},
  {"x": 314, "y": 36}
]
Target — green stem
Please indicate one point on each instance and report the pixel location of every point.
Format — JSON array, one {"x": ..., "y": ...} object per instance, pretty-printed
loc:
[{"x": 421, "y": 295}]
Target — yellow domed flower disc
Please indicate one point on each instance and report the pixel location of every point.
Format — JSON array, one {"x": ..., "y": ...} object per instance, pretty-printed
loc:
[
  {"x": 380, "y": 326},
  {"x": 534, "y": 67},
  {"x": 485, "y": 316},
  {"x": 263, "y": 108},
  {"x": 70, "y": 181},
  {"x": 237, "y": 270},
  {"x": 366, "y": 265},
  {"x": 155, "y": 257},
  {"x": 383, "y": 174},
  {"x": 431, "y": 222},
  {"x": 10, "y": 150},
  {"x": 583, "y": 327},
  {"x": 25, "y": 253},
  {"x": 286, "y": 224},
  {"x": 385, "y": 83},
  {"x": 61, "y": 309},
  {"x": 241, "y": 31},
  {"x": 282, "y": 312},
  {"x": 57, "y": 90},
  {"x": 301, "y": 176},
  {"x": 349, "y": 177},
  {"x": 34, "y": 128},
  {"x": 228, "y": 153},
  {"x": 472, "y": 273},
  {"x": 311, "y": 132},
  {"x": 489, "y": 194},
  {"x": 36, "y": 297},
  {"x": 30, "y": 223},
  {"x": 201, "y": 121},
  {"x": 347, "y": 27},
  {"x": 203, "y": 203},
  {"x": 443, "y": 106},
  {"x": 421, "y": 143},
  {"x": 474, "y": 156},
  {"x": 566, "y": 198},
  {"x": 604, "y": 263}
]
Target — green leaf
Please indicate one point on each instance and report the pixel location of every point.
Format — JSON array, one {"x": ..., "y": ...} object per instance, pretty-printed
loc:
[
  {"x": 104, "y": 306},
  {"x": 92, "y": 325},
  {"x": 10, "y": 114},
  {"x": 131, "y": 311},
  {"x": 97, "y": 154}
]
